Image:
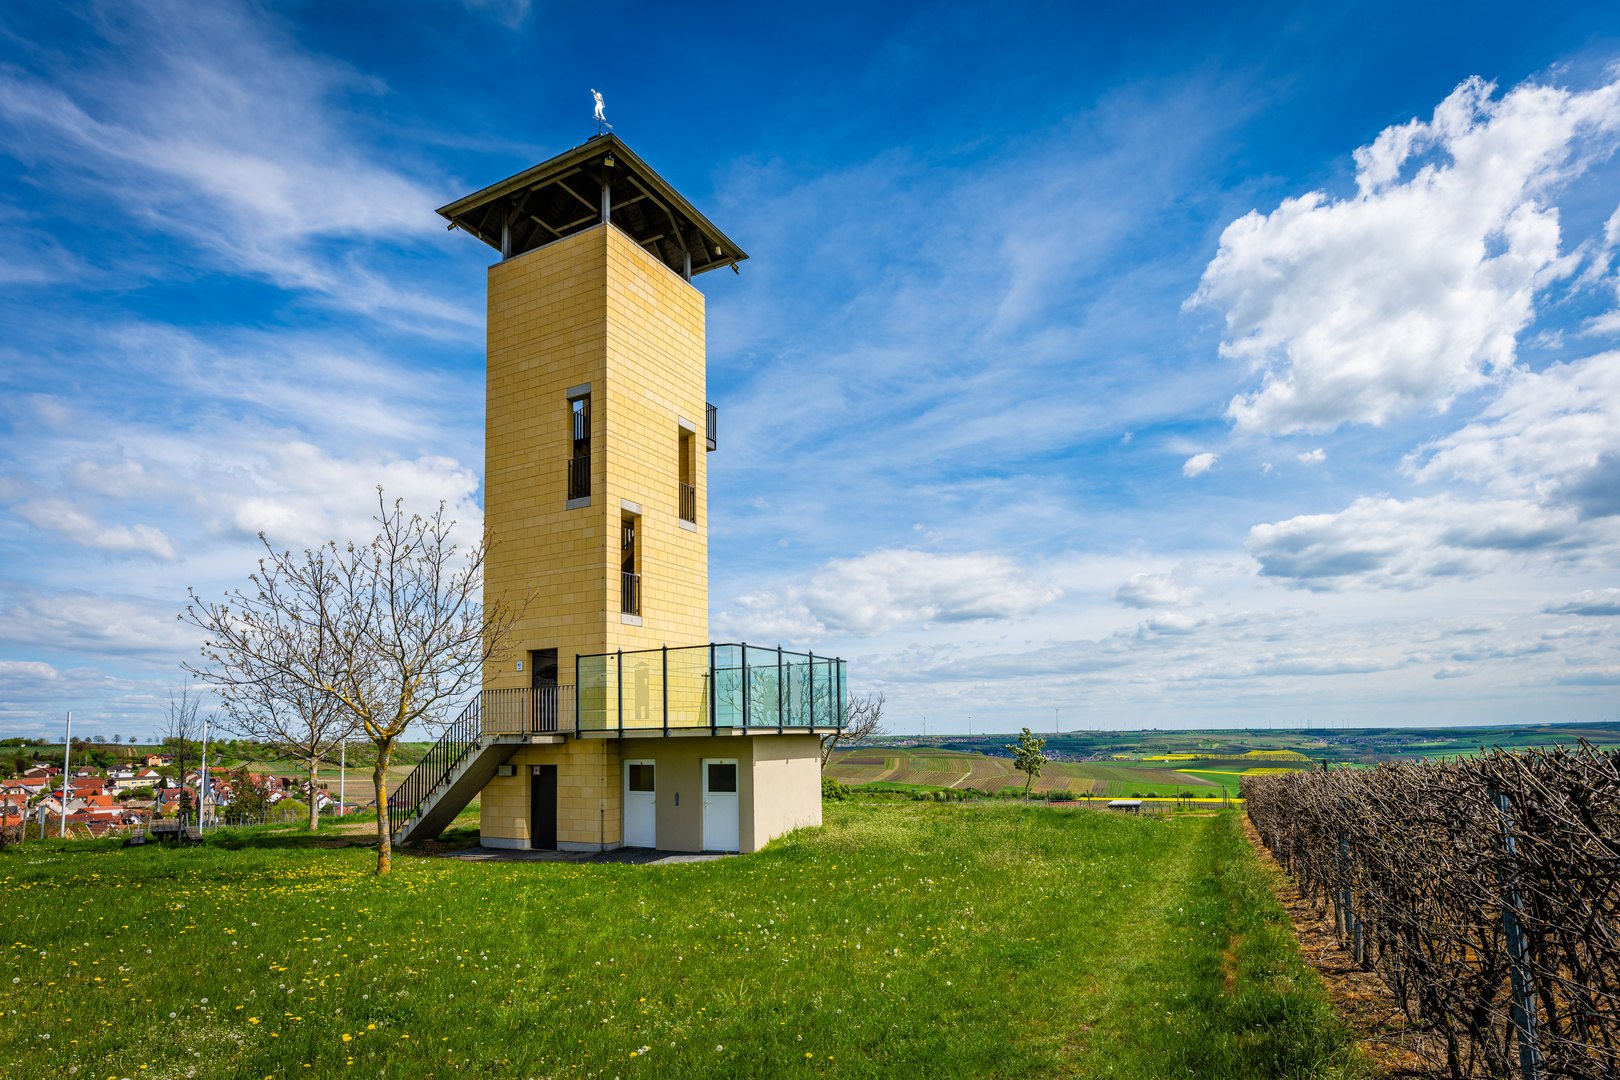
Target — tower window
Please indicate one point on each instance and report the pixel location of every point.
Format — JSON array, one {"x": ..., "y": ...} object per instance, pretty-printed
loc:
[
  {"x": 687, "y": 448},
  {"x": 630, "y": 566},
  {"x": 579, "y": 463}
]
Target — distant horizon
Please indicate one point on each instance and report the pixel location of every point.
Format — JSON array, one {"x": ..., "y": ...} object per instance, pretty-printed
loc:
[{"x": 1012, "y": 733}]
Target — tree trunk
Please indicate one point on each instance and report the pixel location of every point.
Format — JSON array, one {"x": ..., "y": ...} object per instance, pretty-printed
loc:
[
  {"x": 314, "y": 797},
  {"x": 379, "y": 784}
]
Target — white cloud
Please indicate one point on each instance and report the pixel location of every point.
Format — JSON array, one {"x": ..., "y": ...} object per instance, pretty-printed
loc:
[
  {"x": 1589, "y": 602},
  {"x": 62, "y": 519},
  {"x": 1552, "y": 435},
  {"x": 16, "y": 671},
  {"x": 1313, "y": 457},
  {"x": 1502, "y": 650},
  {"x": 1155, "y": 590},
  {"x": 1199, "y": 464},
  {"x": 297, "y": 493},
  {"x": 1383, "y": 543},
  {"x": 1547, "y": 449},
  {"x": 1452, "y": 671},
  {"x": 1324, "y": 665},
  {"x": 888, "y": 588},
  {"x": 1597, "y": 676},
  {"x": 98, "y": 627},
  {"x": 1363, "y": 309}
]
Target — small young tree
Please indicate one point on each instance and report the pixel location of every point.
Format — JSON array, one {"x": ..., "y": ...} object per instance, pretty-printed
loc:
[
  {"x": 863, "y": 720},
  {"x": 249, "y": 797},
  {"x": 181, "y": 727},
  {"x": 1028, "y": 758}
]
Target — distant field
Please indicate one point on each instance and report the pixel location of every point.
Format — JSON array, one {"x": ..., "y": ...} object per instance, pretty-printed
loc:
[{"x": 959, "y": 771}]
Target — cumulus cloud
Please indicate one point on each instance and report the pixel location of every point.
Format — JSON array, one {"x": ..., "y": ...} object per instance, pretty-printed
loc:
[
  {"x": 892, "y": 587},
  {"x": 297, "y": 493},
  {"x": 1361, "y": 309},
  {"x": 1552, "y": 435},
  {"x": 1452, "y": 671},
  {"x": 1589, "y": 602},
  {"x": 1155, "y": 590},
  {"x": 1383, "y": 543},
  {"x": 1313, "y": 457},
  {"x": 1199, "y": 464}
]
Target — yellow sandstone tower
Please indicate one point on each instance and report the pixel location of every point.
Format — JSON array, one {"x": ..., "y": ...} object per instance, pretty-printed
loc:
[{"x": 617, "y": 722}]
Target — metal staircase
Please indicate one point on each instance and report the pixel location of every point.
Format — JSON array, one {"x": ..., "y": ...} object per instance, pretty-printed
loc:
[{"x": 493, "y": 727}]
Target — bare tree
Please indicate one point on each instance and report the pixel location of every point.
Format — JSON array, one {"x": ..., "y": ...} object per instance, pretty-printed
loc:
[
  {"x": 284, "y": 714},
  {"x": 181, "y": 727},
  {"x": 390, "y": 633},
  {"x": 863, "y": 720}
]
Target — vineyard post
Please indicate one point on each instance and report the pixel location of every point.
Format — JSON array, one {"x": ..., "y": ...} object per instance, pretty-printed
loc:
[
  {"x": 1524, "y": 1002},
  {"x": 1344, "y": 892}
]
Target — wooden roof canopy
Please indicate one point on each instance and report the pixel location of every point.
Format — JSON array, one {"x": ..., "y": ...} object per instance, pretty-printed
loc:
[{"x": 563, "y": 196}]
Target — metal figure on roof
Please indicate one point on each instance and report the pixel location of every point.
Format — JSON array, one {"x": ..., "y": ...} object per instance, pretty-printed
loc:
[{"x": 601, "y": 119}]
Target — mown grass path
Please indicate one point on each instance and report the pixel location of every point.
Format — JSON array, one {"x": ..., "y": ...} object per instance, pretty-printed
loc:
[{"x": 951, "y": 941}]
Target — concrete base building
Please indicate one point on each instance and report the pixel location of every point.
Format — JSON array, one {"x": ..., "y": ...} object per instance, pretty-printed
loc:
[{"x": 615, "y": 722}]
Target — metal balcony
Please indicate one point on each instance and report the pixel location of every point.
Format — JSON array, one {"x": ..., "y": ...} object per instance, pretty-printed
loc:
[{"x": 710, "y": 686}]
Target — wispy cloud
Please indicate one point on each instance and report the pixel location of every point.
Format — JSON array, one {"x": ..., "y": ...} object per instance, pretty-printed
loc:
[
  {"x": 889, "y": 588},
  {"x": 212, "y": 124}
]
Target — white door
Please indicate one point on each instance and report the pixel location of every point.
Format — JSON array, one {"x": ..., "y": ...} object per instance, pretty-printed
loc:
[
  {"x": 640, "y": 805},
  {"x": 720, "y": 804}
]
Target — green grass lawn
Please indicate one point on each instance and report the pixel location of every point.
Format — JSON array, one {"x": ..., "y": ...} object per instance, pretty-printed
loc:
[{"x": 906, "y": 939}]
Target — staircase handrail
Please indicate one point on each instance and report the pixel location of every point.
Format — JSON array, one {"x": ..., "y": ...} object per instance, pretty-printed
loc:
[{"x": 436, "y": 765}]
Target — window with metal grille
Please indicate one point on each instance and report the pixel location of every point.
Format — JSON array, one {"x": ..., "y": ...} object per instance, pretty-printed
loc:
[
  {"x": 579, "y": 464},
  {"x": 687, "y": 448},
  {"x": 629, "y": 569}
]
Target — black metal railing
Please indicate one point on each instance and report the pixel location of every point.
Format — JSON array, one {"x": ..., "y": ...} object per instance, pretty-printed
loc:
[
  {"x": 540, "y": 710},
  {"x": 689, "y": 503},
  {"x": 459, "y": 739},
  {"x": 711, "y": 432},
  {"x": 630, "y": 593},
  {"x": 579, "y": 477}
]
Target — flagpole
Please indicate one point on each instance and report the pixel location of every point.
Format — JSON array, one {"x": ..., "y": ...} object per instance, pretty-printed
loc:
[
  {"x": 67, "y": 741},
  {"x": 202, "y": 782}
]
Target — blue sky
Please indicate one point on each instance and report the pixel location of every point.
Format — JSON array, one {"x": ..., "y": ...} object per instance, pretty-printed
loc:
[{"x": 1162, "y": 365}]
